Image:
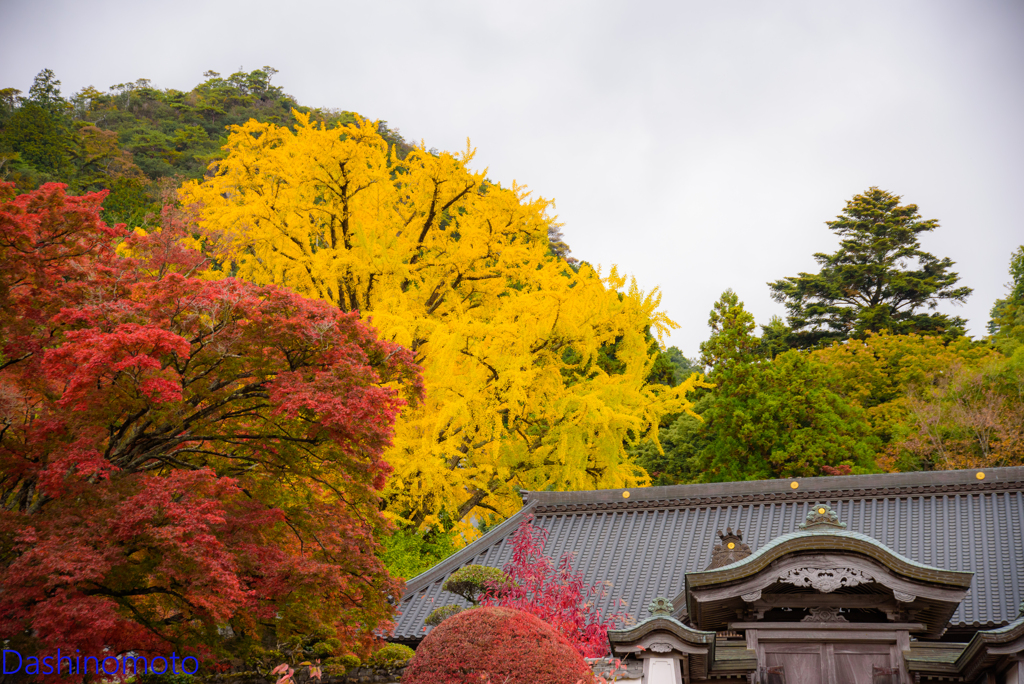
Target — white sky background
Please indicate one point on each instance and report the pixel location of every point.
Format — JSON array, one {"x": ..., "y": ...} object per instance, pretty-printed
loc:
[{"x": 698, "y": 145}]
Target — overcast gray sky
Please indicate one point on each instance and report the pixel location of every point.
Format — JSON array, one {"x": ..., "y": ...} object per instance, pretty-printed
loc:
[{"x": 698, "y": 145}]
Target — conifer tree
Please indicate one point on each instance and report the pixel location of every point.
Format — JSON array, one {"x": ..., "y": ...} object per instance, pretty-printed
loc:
[
  {"x": 879, "y": 280},
  {"x": 769, "y": 418},
  {"x": 1007, "y": 315}
]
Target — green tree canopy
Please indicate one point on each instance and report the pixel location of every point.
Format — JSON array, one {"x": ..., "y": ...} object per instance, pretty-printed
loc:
[
  {"x": 1007, "y": 323},
  {"x": 765, "y": 417},
  {"x": 770, "y": 418},
  {"x": 782, "y": 418},
  {"x": 879, "y": 279},
  {"x": 45, "y": 92},
  {"x": 732, "y": 339}
]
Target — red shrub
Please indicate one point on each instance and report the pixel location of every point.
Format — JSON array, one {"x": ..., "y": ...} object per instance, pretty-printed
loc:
[
  {"x": 555, "y": 593},
  {"x": 497, "y": 646}
]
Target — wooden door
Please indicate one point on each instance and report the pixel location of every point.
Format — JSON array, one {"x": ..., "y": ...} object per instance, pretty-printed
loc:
[
  {"x": 800, "y": 663},
  {"x": 830, "y": 663},
  {"x": 859, "y": 663}
]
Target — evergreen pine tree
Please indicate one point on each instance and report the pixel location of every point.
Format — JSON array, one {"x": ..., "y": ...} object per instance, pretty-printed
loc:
[{"x": 879, "y": 279}]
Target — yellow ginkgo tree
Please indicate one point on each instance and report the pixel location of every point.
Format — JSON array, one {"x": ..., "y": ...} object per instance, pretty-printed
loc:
[{"x": 457, "y": 269}]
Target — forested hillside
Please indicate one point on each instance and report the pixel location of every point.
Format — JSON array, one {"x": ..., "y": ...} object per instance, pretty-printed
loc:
[
  {"x": 884, "y": 400},
  {"x": 134, "y": 139}
]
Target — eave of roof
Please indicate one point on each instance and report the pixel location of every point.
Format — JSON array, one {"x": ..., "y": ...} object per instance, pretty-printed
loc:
[
  {"x": 656, "y": 623},
  {"x": 459, "y": 558},
  {"x": 936, "y": 658},
  {"x": 733, "y": 657},
  {"x": 977, "y": 650},
  {"x": 835, "y": 487}
]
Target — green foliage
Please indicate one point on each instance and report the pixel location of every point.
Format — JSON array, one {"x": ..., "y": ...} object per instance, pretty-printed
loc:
[
  {"x": 672, "y": 368},
  {"x": 879, "y": 279},
  {"x": 45, "y": 93},
  {"x": 883, "y": 372},
  {"x": 43, "y": 140},
  {"x": 341, "y": 664},
  {"x": 1007, "y": 323},
  {"x": 390, "y": 657},
  {"x": 775, "y": 338},
  {"x": 150, "y": 678},
  {"x": 782, "y": 418},
  {"x": 683, "y": 367},
  {"x": 128, "y": 202},
  {"x": 132, "y": 137},
  {"x": 732, "y": 341},
  {"x": 9, "y": 98},
  {"x": 681, "y": 440},
  {"x": 408, "y": 552},
  {"x": 472, "y": 580},
  {"x": 439, "y": 615},
  {"x": 969, "y": 417},
  {"x": 557, "y": 245},
  {"x": 317, "y": 644},
  {"x": 766, "y": 417}
]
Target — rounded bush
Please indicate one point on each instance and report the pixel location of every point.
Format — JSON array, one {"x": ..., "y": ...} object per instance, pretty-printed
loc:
[
  {"x": 339, "y": 665},
  {"x": 389, "y": 657},
  {"x": 499, "y": 645}
]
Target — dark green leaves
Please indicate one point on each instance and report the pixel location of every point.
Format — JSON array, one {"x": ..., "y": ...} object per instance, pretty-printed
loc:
[{"x": 879, "y": 279}]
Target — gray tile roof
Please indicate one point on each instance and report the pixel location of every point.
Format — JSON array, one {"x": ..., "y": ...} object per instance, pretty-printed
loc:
[{"x": 642, "y": 546}]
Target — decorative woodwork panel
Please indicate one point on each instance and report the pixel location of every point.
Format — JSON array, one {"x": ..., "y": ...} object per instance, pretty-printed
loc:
[{"x": 826, "y": 580}]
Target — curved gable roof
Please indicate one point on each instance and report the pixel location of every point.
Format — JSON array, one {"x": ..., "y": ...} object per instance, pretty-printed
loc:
[
  {"x": 936, "y": 593},
  {"x": 829, "y": 540}
]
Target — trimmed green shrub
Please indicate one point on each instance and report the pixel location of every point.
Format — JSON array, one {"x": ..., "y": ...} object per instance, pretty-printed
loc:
[
  {"x": 149, "y": 678},
  {"x": 439, "y": 615},
  {"x": 471, "y": 581},
  {"x": 341, "y": 664},
  {"x": 390, "y": 657}
]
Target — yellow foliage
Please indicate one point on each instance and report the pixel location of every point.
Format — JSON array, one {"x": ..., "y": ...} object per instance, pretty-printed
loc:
[{"x": 457, "y": 269}]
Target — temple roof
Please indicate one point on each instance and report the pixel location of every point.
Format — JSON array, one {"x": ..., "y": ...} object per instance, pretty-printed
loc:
[
  {"x": 819, "y": 540},
  {"x": 640, "y": 543}
]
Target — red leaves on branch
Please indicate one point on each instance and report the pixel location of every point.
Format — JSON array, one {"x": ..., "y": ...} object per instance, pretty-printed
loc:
[
  {"x": 180, "y": 455},
  {"x": 555, "y": 593}
]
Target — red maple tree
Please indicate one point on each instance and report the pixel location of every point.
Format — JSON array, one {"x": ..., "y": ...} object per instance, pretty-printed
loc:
[
  {"x": 178, "y": 455},
  {"x": 553, "y": 592}
]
